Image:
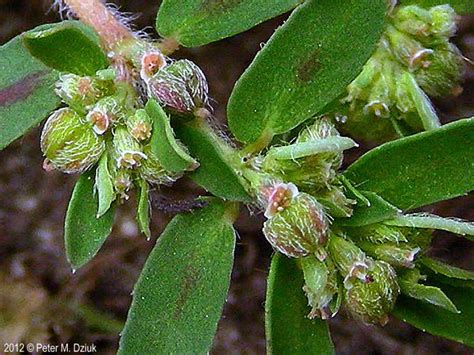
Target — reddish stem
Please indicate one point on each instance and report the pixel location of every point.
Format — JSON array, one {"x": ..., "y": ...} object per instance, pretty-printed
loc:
[{"x": 95, "y": 14}]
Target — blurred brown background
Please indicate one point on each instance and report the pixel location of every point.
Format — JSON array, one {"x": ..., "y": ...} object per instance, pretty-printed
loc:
[{"x": 42, "y": 300}]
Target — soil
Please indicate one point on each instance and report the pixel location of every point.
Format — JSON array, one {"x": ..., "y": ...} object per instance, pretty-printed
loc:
[{"x": 36, "y": 278}]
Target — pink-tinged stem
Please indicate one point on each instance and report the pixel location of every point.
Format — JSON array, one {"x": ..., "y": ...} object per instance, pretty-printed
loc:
[{"x": 95, "y": 14}]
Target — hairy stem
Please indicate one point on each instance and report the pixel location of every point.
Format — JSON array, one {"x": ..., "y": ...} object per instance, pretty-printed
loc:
[{"x": 95, "y": 14}]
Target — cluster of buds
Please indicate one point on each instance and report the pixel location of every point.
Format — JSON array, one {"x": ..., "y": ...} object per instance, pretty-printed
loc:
[
  {"x": 315, "y": 174},
  {"x": 179, "y": 86},
  {"x": 414, "y": 59},
  {"x": 103, "y": 117},
  {"x": 356, "y": 267}
]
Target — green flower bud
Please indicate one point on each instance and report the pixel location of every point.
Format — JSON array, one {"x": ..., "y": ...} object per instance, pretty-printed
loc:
[
  {"x": 350, "y": 260},
  {"x": 139, "y": 125},
  {"x": 69, "y": 144},
  {"x": 336, "y": 202},
  {"x": 321, "y": 286},
  {"x": 397, "y": 255},
  {"x": 299, "y": 229},
  {"x": 180, "y": 86},
  {"x": 413, "y": 20},
  {"x": 312, "y": 172},
  {"x": 443, "y": 75},
  {"x": 379, "y": 234},
  {"x": 371, "y": 301},
  {"x": 407, "y": 50},
  {"x": 128, "y": 152},
  {"x": 153, "y": 172},
  {"x": 81, "y": 92},
  {"x": 443, "y": 20}
]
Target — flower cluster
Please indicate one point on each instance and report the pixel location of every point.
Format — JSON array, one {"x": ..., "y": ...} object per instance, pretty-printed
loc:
[
  {"x": 105, "y": 119},
  {"x": 415, "y": 57},
  {"x": 361, "y": 268}
]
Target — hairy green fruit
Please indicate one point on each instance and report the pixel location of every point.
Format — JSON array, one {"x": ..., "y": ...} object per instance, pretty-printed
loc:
[
  {"x": 371, "y": 301},
  {"x": 299, "y": 229},
  {"x": 69, "y": 143},
  {"x": 181, "y": 87}
]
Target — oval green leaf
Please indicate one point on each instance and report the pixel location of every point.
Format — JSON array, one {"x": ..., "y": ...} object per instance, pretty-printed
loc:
[
  {"x": 306, "y": 65},
  {"x": 421, "y": 169},
  {"x": 461, "y": 6},
  {"x": 26, "y": 91},
  {"x": 178, "y": 299},
  {"x": 216, "y": 172},
  {"x": 429, "y": 294},
  {"x": 164, "y": 145},
  {"x": 197, "y": 22},
  {"x": 288, "y": 330},
  {"x": 438, "y": 321},
  {"x": 84, "y": 233},
  {"x": 68, "y": 46}
]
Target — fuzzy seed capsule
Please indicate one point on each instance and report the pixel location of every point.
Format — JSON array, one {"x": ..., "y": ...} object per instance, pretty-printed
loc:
[
  {"x": 300, "y": 229},
  {"x": 153, "y": 172},
  {"x": 398, "y": 255},
  {"x": 371, "y": 302},
  {"x": 69, "y": 143},
  {"x": 180, "y": 87},
  {"x": 80, "y": 93},
  {"x": 350, "y": 260},
  {"x": 443, "y": 75}
]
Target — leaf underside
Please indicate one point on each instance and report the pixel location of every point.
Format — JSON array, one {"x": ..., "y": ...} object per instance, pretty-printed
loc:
[
  {"x": 288, "y": 330},
  {"x": 84, "y": 233},
  {"x": 178, "y": 299}
]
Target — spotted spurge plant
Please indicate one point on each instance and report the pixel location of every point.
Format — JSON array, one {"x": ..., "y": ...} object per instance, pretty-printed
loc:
[{"x": 123, "y": 115}]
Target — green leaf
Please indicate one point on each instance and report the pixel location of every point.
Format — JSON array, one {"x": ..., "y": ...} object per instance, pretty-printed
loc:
[
  {"x": 430, "y": 294},
  {"x": 456, "y": 226},
  {"x": 306, "y": 65},
  {"x": 104, "y": 186},
  {"x": 178, "y": 299},
  {"x": 461, "y": 6},
  {"x": 441, "y": 322},
  {"x": 301, "y": 150},
  {"x": 197, "y": 22},
  {"x": 84, "y": 233},
  {"x": 26, "y": 91},
  {"x": 68, "y": 46},
  {"x": 379, "y": 210},
  {"x": 447, "y": 270},
  {"x": 143, "y": 209},
  {"x": 446, "y": 273},
  {"x": 170, "y": 152},
  {"x": 421, "y": 169},
  {"x": 216, "y": 172},
  {"x": 288, "y": 330}
]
